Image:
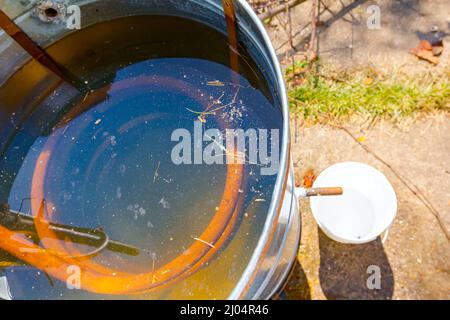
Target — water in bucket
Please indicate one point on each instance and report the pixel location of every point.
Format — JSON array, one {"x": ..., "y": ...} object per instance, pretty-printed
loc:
[
  {"x": 351, "y": 214},
  {"x": 108, "y": 150}
]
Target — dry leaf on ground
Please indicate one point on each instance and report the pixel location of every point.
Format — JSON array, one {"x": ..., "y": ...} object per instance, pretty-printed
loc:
[
  {"x": 428, "y": 52},
  {"x": 309, "y": 178}
]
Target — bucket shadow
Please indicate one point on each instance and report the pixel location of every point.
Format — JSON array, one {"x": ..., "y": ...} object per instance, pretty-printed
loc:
[
  {"x": 344, "y": 270},
  {"x": 297, "y": 287}
]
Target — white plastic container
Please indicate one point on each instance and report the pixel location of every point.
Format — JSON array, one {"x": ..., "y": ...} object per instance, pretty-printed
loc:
[{"x": 366, "y": 209}]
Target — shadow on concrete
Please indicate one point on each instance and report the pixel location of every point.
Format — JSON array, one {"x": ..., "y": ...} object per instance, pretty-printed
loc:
[
  {"x": 346, "y": 9},
  {"x": 432, "y": 37},
  {"x": 344, "y": 270},
  {"x": 403, "y": 6},
  {"x": 297, "y": 288},
  {"x": 335, "y": 16}
]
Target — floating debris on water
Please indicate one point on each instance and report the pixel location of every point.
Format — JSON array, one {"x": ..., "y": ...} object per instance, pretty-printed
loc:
[
  {"x": 207, "y": 243},
  {"x": 113, "y": 141},
  {"x": 215, "y": 83},
  {"x": 119, "y": 193},
  {"x": 164, "y": 203},
  {"x": 156, "y": 175},
  {"x": 137, "y": 211}
]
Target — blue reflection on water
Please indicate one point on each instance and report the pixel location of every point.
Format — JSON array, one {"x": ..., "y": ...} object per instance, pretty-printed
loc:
[{"x": 110, "y": 165}]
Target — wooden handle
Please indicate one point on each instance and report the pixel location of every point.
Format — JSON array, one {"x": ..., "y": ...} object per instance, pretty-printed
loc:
[{"x": 317, "y": 192}]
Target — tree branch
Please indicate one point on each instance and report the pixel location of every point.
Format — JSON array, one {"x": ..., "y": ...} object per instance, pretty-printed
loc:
[{"x": 277, "y": 10}]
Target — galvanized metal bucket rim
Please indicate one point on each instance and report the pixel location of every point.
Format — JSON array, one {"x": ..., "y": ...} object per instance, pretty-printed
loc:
[{"x": 273, "y": 214}]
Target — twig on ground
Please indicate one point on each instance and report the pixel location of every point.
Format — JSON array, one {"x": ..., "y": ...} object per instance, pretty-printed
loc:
[
  {"x": 277, "y": 10},
  {"x": 291, "y": 39},
  {"x": 312, "y": 49}
]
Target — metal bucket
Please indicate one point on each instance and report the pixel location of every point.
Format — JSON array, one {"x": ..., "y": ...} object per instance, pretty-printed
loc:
[{"x": 276, "y": 250}]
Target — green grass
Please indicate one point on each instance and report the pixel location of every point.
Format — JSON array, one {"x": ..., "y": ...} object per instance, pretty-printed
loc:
[{"x": 330, "y": 95}]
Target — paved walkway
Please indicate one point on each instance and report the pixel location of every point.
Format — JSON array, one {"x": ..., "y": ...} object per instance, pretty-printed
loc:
[
  {"x": 415, "y": 259},
  {"x": 345, "y": 38}
]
